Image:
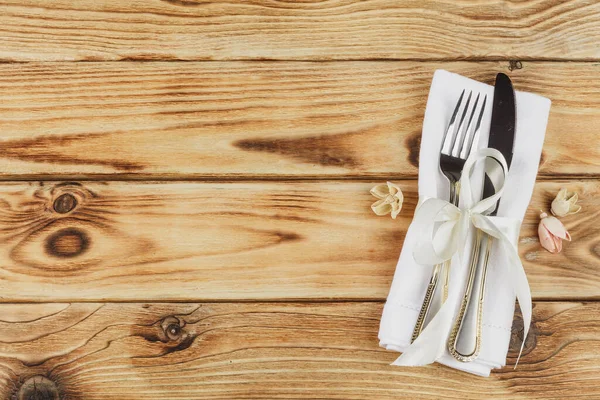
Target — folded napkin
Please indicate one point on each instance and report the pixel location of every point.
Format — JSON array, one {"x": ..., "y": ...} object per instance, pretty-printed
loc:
[{"x": 411, "y": 279}]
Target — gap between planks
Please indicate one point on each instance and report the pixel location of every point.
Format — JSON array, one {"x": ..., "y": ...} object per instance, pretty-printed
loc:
[
  {"x": 269, "y": 301},
  {"x": 316, "y": 60},
  {"x": 225, "y": 178}
]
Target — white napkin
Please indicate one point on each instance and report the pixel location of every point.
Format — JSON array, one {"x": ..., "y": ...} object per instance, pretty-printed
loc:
[{"x": 411, "y": 279}]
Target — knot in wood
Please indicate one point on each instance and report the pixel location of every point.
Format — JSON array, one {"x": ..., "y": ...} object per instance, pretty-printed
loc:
[
  {"x": 66, "y": 197},
  {"x": 38, "y": 388},
  {"x": 173, "y": 328},
  {"x": 173, "y": 331},
  {"x": 65, "y": 203},
  {"x": 67, "y": 243},
  {"x": 413, "y": 144},
  {"x": 515, "y": 64},
  {"x": 516, "y": 336}
]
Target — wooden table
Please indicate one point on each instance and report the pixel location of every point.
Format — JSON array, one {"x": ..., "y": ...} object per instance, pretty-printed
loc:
[{"x": 184, "y": 206}]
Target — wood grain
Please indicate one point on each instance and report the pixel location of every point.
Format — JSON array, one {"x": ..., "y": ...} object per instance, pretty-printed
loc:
[
  {"x": 240, "y": 119},
  {"x": 254, "y": 240},
  {"x": 271, "y": 164},
  {"x": 62, "y": 30},
  {"x": 270, "y": 351}
]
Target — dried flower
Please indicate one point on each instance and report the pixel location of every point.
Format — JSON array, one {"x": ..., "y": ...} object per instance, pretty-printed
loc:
[
  {"x": 390, "y": 199},
  {"x": 552, "y": 232},
  {"x": 564, "y": 205}
]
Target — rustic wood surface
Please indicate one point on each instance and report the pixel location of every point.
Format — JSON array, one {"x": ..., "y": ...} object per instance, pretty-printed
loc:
[
  {"x": 269, "y": 350},
  {"x": 351, "y": 119},
  {"x": 87, "y": 30},
  {"x": 184, "y": 205},
  {"x": 252, "y": 240}
]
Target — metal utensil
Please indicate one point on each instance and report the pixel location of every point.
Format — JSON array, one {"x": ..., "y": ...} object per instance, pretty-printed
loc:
[
  {"x": 502, "y": 132},
  {"x": 460, "y": 139}
]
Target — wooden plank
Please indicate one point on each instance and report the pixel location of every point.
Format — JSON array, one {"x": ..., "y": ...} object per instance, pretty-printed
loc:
[
  {"x": 270, "y": 351},
  {"x": 240, "y": 119},
  {"x": 255, "y": 240},
  {"x": 267, "y": 29}
]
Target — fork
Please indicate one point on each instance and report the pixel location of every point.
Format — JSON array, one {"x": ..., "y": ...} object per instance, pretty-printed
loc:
[{"x": 460, "y": 140}]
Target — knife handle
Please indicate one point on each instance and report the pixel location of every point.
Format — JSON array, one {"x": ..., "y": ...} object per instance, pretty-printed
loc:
[
  {"x": 481, "y": 298},
  {"x": 458, "y": 323}
]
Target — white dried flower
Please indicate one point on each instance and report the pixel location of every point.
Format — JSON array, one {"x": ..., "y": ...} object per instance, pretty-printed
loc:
[
  {"x": 564, "y": 205},
  {"x": 390, "y": 199}
]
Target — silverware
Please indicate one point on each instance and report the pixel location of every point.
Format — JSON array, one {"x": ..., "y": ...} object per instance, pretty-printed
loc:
[
  {"x": 502, "y": 132},
  {"x": 459, "y": 141}
]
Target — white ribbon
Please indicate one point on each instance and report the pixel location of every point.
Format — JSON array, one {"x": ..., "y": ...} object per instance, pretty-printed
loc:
[{"x": 443, "y": 230}]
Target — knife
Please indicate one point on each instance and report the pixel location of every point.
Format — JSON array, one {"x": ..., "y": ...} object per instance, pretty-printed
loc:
[{"x": 502, "y": 138}]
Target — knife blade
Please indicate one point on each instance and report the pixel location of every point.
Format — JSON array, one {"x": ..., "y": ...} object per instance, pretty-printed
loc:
[
  {"x": 502, "y": 133},
  {"x": 464, "y": 343}
]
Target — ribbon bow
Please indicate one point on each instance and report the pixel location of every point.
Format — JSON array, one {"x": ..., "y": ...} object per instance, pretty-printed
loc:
[{"x": 443, "y": 231}]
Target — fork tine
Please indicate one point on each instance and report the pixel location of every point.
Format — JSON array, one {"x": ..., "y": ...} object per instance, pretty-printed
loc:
[
  {"x": 465, "y": 128},
  {"x": 459, "y": 128},
  {"x": 473, "y": 138},
  {"x": 447, "y": 140}
]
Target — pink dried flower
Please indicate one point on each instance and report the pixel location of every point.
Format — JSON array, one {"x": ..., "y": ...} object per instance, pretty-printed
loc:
[{"x": 552, "y": 232}]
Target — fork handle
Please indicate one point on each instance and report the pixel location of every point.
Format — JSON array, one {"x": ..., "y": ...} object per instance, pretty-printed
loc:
[
  {"x": 438, "y": 269},
  {"x": 433, "y": 281}
]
